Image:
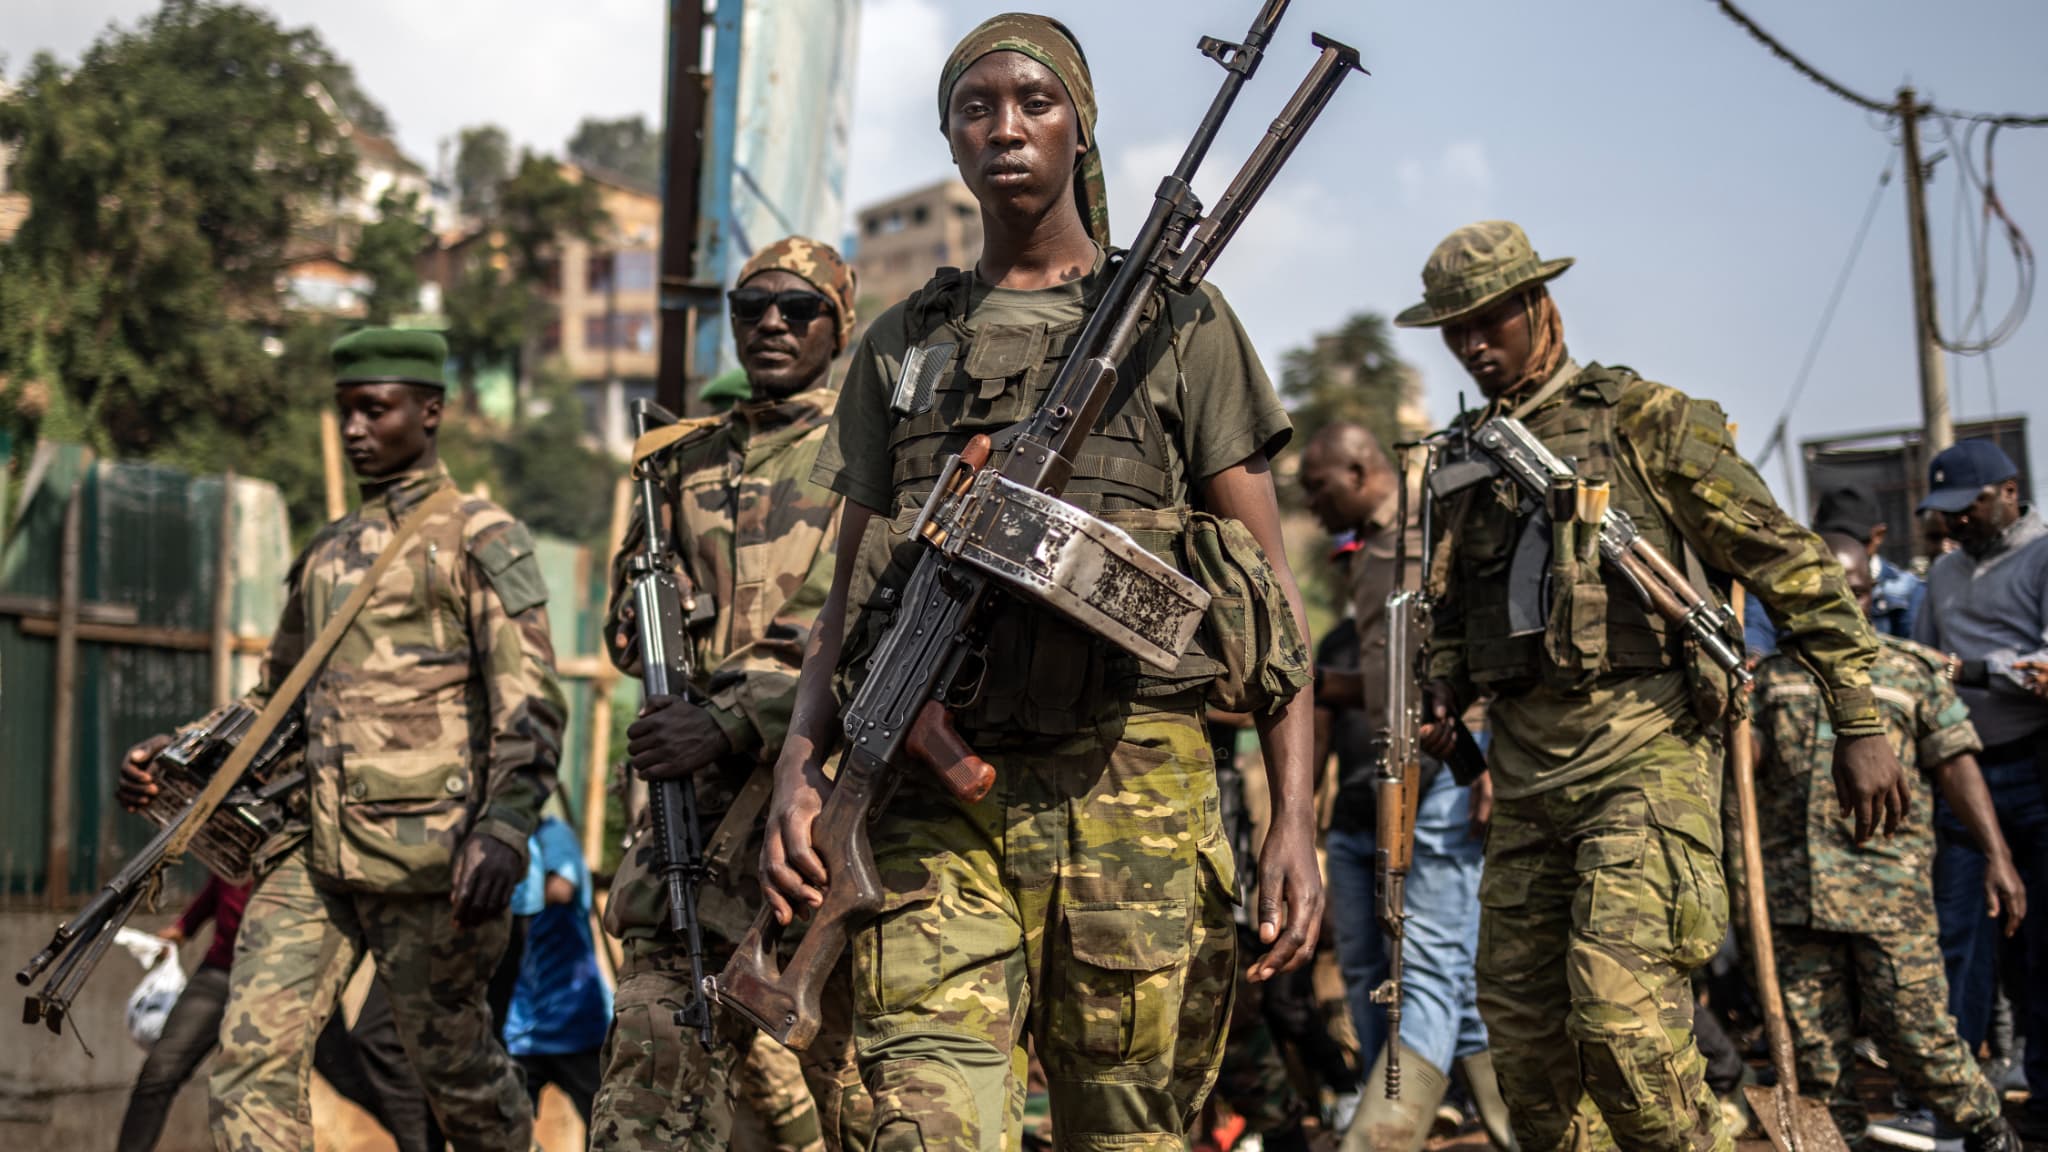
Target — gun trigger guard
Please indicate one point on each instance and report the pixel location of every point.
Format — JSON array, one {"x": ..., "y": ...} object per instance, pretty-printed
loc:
[{"x": 965, "y": 693}]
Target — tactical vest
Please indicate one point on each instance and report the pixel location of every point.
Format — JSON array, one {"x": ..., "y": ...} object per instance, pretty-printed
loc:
[
  {"x": 1608, "y": 628},
  {"x": 1045, "y": 675}
]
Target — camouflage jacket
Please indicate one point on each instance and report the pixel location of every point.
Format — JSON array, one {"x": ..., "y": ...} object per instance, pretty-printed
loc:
[
  {"x": 438, "y": 714},
  {"x": 1670, "y": 456},
  {"x": 757, "y": 540},
  {"x": 1815, "y": 874}
]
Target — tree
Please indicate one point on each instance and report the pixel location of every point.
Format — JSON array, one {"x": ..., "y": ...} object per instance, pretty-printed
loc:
[
  {"x": 1351, "y": 374},
  {"x": 487, "y": 317},
  {"x": 483, "y": 159},
  {"x": 389, "y": 253},
  {"x": 347, "y": 93},
  {"x": 165, "y": 174},
  {"x": 625, "y": 147},
  {"x": 538, "y": 208}
]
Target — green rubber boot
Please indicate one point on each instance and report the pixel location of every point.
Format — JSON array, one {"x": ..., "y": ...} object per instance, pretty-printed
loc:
[
  {"x": 1485, "y": 1090},
  {"x": 1402, "y": 1125}
]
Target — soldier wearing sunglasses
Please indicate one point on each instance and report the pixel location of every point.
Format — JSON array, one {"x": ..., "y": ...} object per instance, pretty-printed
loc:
[{"x": 757, "y": 540}]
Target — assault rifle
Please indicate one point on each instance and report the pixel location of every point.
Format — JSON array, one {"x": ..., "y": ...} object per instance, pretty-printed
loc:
[
  {"x": 250, "y": 814},
  {"x": 1502, "y": 446},
  {"x": 661, "y": 611},
  {"x": 995, "y": 530},
  {"x": 1403, "y": 777}
]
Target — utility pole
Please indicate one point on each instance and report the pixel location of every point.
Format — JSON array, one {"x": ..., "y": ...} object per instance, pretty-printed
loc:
[
  {"x": 682, "y": 160},
  {"x": 1939, "y": 428}
]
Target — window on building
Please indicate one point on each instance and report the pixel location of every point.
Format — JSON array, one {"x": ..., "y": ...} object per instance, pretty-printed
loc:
[
  {"x": 920, "y": 214},
  {"x": 629, "y": 332},
  {"x": 635, "y": 270},
  {"x": 551, "y": 336},
  {"x": 597, "y": 272}
]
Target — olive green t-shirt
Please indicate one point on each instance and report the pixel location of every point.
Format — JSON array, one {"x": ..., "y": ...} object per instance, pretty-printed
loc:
[{"x": 1219, "y": 409}]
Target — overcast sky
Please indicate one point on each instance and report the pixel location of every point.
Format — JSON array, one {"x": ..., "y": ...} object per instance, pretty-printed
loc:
[{"x": 1709, "y": 193}]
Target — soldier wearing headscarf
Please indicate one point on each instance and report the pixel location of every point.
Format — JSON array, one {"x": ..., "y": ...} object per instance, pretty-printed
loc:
[
  {"x": 757, "y": 541},
  {"x": 1603, "y": 886},
  {"x": 1085, "y": 904}
]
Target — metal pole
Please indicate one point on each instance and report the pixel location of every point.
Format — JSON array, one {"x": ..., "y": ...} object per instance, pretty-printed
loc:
[
  {"x": 223, "y": 654},
  {"x": 57, "y": 859},
  {"x": 682, "y": 157},
  {"x": 1939, "y": 428}
]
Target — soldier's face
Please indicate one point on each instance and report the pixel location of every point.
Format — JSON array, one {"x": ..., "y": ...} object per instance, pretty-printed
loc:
[
  {"x": 1015, "y": 134},
  {"x": 1336, "y": 491},
  {"x": 780, "y": 358},
  {"x": 1492, "y": 344},
  {"x": 387, "y": 428},
  {"x": 1855, "y": 562}
]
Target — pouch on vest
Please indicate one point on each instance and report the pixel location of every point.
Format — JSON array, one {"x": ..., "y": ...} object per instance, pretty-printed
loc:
[{"x": 1250, "y": 629}]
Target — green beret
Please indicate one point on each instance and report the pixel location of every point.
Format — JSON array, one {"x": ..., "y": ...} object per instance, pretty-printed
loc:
[
  {"x": 380, "y": 355},
  {"x": 726, "y": 390}
]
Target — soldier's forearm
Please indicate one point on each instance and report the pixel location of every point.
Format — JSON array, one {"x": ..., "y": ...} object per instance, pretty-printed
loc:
[
  {"x": 1962, "y": 785},
  {"x": 1287, "y": 740}
]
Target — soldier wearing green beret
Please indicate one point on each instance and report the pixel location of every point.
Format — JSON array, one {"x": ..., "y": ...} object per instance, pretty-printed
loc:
[
  {"x": 1603, "y": 886},
  {"x": 432, "y": 733}
]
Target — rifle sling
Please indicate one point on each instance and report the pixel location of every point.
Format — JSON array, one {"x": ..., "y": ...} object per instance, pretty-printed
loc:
[
  {"x": 302, "y": 673},
  {"x": 737, "y": 826}
]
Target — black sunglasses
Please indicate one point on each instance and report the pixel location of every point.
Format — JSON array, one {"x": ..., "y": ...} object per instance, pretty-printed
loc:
[{"x": 798, "y": 308}]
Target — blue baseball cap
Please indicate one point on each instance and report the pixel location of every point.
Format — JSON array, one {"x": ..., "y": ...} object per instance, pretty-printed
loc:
[{"x": 1962, "y": 471}]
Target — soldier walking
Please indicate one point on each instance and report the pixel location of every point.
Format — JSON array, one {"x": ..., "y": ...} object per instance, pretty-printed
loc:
[
  {"x": 1603, "y": 887},
  {"x": 1855, "y": 922},
  {"x": 433, "y": 730},
  {"x": 757, "y": 540},
  {"x": 1085, "y": 902}
]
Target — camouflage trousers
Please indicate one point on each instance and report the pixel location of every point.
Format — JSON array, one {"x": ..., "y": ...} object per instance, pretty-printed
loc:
[
  {"x": 1598, "y": 900},
  {"x": 1896, "y": 979},
  {"x": 1084, "y": 904},
  {"x": 664, "y": 1091},
  {"x": 299, "y": 944}
]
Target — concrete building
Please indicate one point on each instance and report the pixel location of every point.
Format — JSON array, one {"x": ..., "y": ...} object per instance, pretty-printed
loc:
[
  {"x": 903, "y": 240},
  {"x": 607, "y": 298}
]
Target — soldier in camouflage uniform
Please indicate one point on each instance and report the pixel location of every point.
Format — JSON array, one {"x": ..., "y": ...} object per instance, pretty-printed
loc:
[
  {"x": 1085, "y": 902},
  {"x": 757, "y": 541},
  {"x": 432, "y": 734},
  {"x": 1855, "y": 922},
  {"x": 1602, "y": 887}
]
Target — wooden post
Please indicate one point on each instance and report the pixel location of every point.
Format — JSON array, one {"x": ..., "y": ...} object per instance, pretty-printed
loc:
[
  {"x": 1939, "y": 428},
  {"x": 330, "y": 460},
  {"x": 224, "y": 596},
  {"x": 598, "y": 771},
  {"x": 57, "y": 861}
]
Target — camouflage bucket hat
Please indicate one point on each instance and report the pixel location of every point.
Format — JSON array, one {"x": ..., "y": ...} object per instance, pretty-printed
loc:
[
  {"x": 1473, "y": 267},
  {"x": 818, "y": 264}
]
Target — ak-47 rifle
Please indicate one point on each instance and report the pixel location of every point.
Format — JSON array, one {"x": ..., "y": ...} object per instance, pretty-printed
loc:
[
  {"x": 661, "y": 612},
  {"x": 1502, "y": 445},
  {"x": 1402, "y": 773},
  {"x": 250, "y": 814},
  {"x": 995, "y": 528}
]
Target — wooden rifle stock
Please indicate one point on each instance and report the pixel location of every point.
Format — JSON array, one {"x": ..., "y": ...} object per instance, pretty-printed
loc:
[{"x": 782, "y": 999}]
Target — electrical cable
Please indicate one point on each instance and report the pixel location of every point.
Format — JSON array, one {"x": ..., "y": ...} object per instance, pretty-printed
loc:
[
  {"x": 1778, "y": 49},
  {"x": 1827, "y": 315},
  {"x": 1984, "y": 187}
]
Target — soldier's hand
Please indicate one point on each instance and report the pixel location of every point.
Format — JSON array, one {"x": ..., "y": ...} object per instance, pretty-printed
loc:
[
  {"x": 792, "y": 876},
  {"x": 1482, "y": 805},
  {"x": 138, "y": 782},
  {"x": 2003, "y": 892},
  {"x": 1289, "y": 881},
  {"x": 1870, "y": 784},
  {"x": 1439, "y": 734},
  {"x": 486, "y": 871},
  {"x": 2035, "y": 673},
  {"x": 674, "y": 738}
]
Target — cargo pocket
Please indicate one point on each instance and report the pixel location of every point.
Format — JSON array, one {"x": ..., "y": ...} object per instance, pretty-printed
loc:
[
  {"x": 1124, "y": 979},
  {"x": 896, "y": 955},
  {"x": 1695, "y": 896},
  {"x": 1610, "y": 897},
  {"x": 1503, "y": 893}
]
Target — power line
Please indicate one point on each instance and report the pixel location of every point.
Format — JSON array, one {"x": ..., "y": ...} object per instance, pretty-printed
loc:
[
  {"x": 1778, "y": 49},
  {"x": 1827, "y": 315}
]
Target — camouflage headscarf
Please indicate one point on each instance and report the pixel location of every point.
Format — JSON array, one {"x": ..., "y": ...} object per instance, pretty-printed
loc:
[
  {"x": 820, "y": 265},
  {"x": 1047, "y": 41}
]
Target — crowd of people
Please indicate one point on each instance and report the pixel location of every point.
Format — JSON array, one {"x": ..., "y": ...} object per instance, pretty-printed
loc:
[{"x": 1102, "y": 942}]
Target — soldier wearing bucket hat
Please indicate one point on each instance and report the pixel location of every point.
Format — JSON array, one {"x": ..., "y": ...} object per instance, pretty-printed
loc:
[{"x": 1603, "y": 886}]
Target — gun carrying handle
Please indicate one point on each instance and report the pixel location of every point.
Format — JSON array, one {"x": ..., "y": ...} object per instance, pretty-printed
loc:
[{"x": 933, "y": 740}]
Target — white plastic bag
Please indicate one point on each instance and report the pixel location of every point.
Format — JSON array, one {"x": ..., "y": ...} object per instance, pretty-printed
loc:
[{"x": 150, "y": 1004}]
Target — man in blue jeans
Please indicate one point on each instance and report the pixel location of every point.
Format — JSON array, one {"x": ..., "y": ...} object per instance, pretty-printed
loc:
[
  {"x": 1352, "y": 486},
  {"x": 1987, "y": 608}
]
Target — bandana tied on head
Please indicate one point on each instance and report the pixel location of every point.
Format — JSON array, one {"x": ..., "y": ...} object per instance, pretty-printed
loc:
[
  {"x": 1047, "y": 41},
  {"x": 819, "y": 265}
]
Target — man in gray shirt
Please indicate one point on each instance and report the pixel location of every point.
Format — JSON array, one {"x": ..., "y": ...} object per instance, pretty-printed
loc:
[{"x": 1987, "y": 609}]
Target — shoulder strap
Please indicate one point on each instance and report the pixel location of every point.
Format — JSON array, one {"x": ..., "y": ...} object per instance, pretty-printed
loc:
[{"x": 287, "y": 694}]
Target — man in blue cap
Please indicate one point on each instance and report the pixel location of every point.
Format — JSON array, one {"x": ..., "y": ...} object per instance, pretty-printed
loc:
[{"x": 1987, "y": 609}]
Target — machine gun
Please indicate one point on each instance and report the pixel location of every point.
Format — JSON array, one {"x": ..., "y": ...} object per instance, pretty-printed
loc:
[
  {"x": 994, "y": 529},
  {"x": 661, "y": 610},
  {"x": 251, "y": 813},
  {"x": 1502, "y": 446},
  {"x": 1403, "y": 777}
]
